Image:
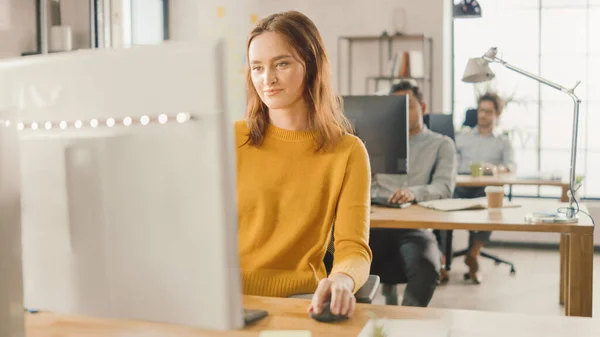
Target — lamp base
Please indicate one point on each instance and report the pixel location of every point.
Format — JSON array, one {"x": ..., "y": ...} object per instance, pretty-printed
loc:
[{"x": 550, "y": 217}]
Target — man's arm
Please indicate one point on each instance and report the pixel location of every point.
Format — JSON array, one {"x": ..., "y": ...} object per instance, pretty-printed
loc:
[
  {"x": 459, "y": 155},
  {"x": 444, "y": 175},
  {"x": 508, "y": 156}
]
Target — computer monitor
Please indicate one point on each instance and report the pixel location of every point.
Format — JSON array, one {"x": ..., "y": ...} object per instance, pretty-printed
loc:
[
  {"x": 128, "y": 183},
  {"x": 11, "y": 282},
  {"x": 381, "y": 122},
  {"x": 440, "y": 123}
]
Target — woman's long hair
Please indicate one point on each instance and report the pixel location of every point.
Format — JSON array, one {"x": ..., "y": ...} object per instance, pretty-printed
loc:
[{"x": 325, "y": 116}]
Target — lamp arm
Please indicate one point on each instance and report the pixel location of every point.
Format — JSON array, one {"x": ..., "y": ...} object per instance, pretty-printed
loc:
[
  {"x": 530, "y": 75},
  {"x": 572, "y": 178},
  {"x": 571, "y": 92}
]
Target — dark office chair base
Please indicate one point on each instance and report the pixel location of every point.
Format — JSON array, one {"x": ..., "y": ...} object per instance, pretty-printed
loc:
[
  {"x": 390, "y": 292},
  {"x": 496, "y": 259}
]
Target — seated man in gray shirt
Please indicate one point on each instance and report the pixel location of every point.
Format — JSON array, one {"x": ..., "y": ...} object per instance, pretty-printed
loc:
[
  {"x": 412, "y": 255},
  {"x": 482, "y": 145}
]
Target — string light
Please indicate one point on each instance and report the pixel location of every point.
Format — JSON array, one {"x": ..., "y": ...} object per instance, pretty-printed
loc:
[
  {"x": 180, "y": 117},
  {"x": 163, "y": 119},
  {"x": 183, "y": 117},
  {"x": 145, "y": 120}
]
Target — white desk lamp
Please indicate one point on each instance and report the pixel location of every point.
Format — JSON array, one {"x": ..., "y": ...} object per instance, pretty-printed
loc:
[{"x": 478, "y": 70}]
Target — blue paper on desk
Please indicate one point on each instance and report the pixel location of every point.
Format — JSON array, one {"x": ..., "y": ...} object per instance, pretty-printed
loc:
[{"x": 406, "y": 328}]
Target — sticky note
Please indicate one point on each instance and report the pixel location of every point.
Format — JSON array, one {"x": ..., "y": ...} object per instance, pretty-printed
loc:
[
  {"x": 407, "y": 328},
  {"x": 285, "y": 333},
  {"x": 220, "y": 11},
  {"x": 253, "y": 18}
]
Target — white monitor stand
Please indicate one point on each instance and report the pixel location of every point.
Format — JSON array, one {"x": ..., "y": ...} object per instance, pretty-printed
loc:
[
  {"x": 11, "y": 281},
  {"x": 128, "y": 183}
]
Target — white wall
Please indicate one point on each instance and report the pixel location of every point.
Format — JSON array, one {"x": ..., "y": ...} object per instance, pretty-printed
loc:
[
  {"x": 75, "y": 13},
  {"x": 336, "y": 18},
  {"x": 19, "y": 34},
  {"x": 190, "y": 19},
  {"x": 147, "y": 21}
]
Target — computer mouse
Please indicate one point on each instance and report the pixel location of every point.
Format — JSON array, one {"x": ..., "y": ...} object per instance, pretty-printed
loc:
[{"x": 326, "y": 316}]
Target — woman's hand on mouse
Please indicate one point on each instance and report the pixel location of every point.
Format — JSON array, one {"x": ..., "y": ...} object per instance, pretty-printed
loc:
[{"x": 338, "y": 289}]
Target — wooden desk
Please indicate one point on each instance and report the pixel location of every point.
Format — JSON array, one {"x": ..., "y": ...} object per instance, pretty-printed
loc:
[
  {"x": 510, "y": 180},
  {"x": 576, "y": 252},
  {"x": 290, "y": 314}
]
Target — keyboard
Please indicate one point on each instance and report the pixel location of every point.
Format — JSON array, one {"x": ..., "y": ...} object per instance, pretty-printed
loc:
[{"x": 379, "y": 201}]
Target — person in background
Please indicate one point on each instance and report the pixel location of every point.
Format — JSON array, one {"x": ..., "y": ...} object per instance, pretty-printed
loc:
[
  {"x": 413, "y": 254},
  {"x": 299, "y": 171},
  {"x": 484, "y": 146}
]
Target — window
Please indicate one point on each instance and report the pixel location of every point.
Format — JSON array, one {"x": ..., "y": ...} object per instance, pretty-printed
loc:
[{"x": 560, "y": 41}]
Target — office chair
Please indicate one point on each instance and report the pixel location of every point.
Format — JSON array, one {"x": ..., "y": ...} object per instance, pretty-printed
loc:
[
  {"x": 388, "y": 267},
  {"x": 470, "y": 118},
  {"x": 469, "y": 194},
  {"x": 440, "y": 123},
  {"x": 366, "y": 293},
  {"x": 470, "y": 121}
]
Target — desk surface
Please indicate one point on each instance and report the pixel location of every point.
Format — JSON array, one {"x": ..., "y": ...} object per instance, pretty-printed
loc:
[
  {"x": 505, "y": 219},
  {"x": 290, "y": 314},
  {"x": 505, "y": 179}
]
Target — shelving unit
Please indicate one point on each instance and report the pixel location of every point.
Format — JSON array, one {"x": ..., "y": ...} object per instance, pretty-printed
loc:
[{"x": 384, "y": 41}]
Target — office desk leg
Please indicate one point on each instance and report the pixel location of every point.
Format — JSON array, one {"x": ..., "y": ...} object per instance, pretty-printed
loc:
[
  {"x": 564, "y": 267},
  {"x": 580, "y": 274}
]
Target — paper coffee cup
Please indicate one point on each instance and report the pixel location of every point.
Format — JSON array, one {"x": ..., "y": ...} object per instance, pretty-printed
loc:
[{"x": 495, "y": 196}]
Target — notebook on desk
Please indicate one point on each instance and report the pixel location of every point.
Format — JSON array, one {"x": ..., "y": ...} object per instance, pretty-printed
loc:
[
  {"x": 448, "y": 205},
  {"x": 540, "y": 176},
  {"x": 406, "y": 328}
]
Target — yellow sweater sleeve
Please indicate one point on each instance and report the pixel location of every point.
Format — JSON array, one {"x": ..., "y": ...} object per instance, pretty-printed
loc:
[{"x": 352, "y": 254}]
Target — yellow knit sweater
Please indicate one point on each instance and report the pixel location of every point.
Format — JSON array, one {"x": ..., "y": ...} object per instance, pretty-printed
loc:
[{"x": 288, "y": 198}]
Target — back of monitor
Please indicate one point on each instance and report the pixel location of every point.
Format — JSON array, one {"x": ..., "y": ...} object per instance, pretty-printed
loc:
[
  {"x": 128, "y": 186},
  {"x": 11, "y": 281}
]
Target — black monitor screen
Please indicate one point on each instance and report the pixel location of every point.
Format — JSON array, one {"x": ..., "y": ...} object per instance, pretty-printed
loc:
[{"x": 381, "y": 122}]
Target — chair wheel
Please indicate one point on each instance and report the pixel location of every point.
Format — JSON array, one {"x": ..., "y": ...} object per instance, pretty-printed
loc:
[
  {"x": 512, "y": 271},
  {"x": 497, "y": 262},
  {"x": 466, "y": 276}
]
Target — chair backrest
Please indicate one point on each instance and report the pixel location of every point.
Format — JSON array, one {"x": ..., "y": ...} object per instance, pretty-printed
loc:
[
  {"x": 440, "y": 123},
  {"x": 470, "y": 118}
]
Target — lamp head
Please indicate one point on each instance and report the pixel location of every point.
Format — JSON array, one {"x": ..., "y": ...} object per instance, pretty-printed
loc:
[{"x": 477, "y": 70}]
